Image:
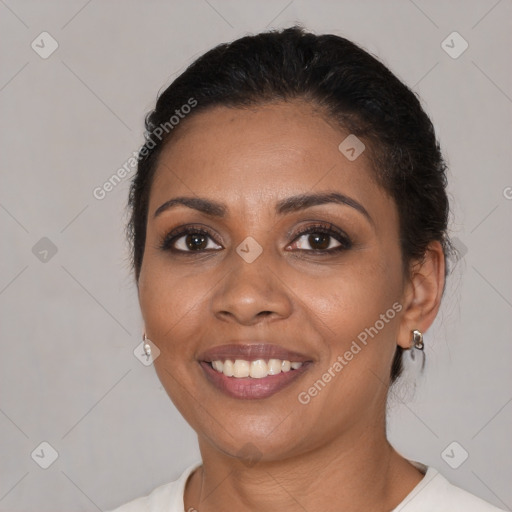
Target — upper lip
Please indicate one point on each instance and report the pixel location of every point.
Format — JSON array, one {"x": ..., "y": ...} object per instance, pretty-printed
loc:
[{"x": 251, "y": 352}]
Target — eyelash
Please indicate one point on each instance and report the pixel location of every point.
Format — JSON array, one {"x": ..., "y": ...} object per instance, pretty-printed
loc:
[{"x": 168, "y": 240}]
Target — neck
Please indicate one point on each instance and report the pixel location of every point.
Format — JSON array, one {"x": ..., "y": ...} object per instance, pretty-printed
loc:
[{"x": 355, "y": 472}]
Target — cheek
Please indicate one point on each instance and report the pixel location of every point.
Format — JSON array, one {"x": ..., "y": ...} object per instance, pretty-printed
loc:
[
  {"x": 170, "y": 305},
  {"x": 354, "y": 296},
  {"x": 358, "y": 307},
  {"x": 357, "y": 312}
]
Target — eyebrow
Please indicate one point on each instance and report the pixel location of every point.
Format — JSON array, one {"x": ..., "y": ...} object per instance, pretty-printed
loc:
[{"x": 288, "y": 205}]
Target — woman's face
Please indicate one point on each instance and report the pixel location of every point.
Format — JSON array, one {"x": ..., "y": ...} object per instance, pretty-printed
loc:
[{"x": 254, "y": 288}]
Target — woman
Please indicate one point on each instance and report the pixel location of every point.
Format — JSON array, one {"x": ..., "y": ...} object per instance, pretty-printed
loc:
[{"x": 288, "y": 226}]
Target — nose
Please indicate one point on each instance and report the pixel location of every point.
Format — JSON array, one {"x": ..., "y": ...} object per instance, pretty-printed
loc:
[{"x": 251, "y": 293}]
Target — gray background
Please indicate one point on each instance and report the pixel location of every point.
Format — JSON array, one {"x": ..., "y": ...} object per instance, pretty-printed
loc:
[{"x": 70, "y": 321}]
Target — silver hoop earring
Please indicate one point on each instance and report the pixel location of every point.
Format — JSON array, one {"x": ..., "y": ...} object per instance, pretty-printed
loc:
[
  {"x": 417, "y": 339},
  {"x": 147, "y": 346}
]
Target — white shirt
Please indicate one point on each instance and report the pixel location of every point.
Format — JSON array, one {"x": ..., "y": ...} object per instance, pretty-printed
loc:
[{"x": 432, "y": 494}]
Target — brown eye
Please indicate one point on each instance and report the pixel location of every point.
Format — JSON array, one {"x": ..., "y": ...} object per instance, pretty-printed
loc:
[
  {"x": 321, "y": 239},
  {"x": 317, "y": 242},
  {"x": 196, "y": 241},
  {"x": 189, "y": 240}
]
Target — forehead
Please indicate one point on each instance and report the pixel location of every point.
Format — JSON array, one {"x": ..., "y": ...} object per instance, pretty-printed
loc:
[{"x": 253, "y": 156}]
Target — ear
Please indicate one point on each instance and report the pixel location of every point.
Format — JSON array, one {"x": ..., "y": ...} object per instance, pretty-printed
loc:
[{"x": 423, "y": 292}]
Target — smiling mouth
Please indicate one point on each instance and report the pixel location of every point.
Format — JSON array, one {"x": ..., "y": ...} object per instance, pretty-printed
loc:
[
  {"x": 257, "y": 369},
  {"x": 252, "y": 380},
  {"x": 252, "y": 371}
]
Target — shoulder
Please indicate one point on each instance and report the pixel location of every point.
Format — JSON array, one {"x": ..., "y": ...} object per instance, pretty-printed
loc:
[
  {"x": 166, "y": 498},
  {"x": 435, "y": 492}
]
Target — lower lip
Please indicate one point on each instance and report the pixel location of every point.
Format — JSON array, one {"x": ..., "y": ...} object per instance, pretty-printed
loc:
[{"x": 248, "y": 388}]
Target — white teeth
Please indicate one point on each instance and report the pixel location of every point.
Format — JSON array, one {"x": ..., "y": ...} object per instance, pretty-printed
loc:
[
  {"x": 257, "y": 369},
  {"x": 274, "y": 366},
  {"x": 241, "y": 368},
  {"x": 227, "y": 369},
  {"x": 218, "y": 365}
]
